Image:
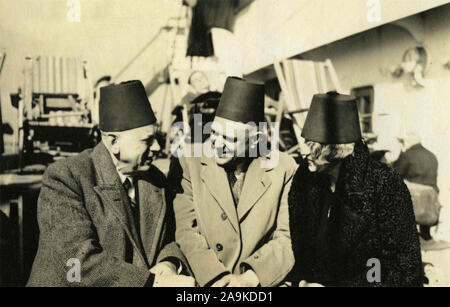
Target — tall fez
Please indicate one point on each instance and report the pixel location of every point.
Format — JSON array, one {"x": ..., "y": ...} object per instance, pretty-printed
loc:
[
  {"x": 242, "y": 101},
  {"x": 332, "y": 119},
  {"x": 124, "y": 106}
]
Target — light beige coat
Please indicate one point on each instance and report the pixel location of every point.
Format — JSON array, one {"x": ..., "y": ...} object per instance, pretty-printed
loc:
[{"x": 216, "y": 237}]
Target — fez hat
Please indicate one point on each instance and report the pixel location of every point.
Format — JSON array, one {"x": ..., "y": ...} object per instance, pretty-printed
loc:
[
  {"x": 210, "y": 97},
  {"x": 332, "y": 119},
  {"x": 241, "y": 101},
  {"x": 124, "y": 106}
]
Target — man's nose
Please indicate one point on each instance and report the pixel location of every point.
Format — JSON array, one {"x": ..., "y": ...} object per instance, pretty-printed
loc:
[{"x": 155, "y": 146}]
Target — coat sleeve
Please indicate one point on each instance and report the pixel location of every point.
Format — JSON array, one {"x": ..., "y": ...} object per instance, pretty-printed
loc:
[
  {"x": 274, "y": 260},
  {"x": 202, "y": 260},
  {"x": 402, "y": 164},
  {"x": 170, "y": 250},
  {"x": 400, "y": 257},
  {"x": 67, "y": 232}
]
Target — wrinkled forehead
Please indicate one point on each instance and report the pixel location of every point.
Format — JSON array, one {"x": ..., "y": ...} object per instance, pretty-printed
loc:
[
  {"x": 231, "y": 128},
  {"x": 140, "y": 133}
]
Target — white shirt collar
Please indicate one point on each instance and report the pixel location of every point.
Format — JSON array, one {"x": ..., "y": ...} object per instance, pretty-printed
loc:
[
  {"x": 132, "y": 190},
  {"x": 123, "y": 177}
]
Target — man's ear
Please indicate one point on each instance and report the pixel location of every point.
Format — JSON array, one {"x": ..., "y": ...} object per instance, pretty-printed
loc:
[
  {"x": 112, "y": 142},
  {"x": 115, "y": 144}
]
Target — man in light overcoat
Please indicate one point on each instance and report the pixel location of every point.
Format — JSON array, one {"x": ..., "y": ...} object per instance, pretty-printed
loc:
[{"x": 231, "y": 208}]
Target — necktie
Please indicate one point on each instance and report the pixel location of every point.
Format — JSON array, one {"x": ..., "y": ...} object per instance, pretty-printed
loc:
[
  {"x": 131, "y": 192},
  {"x": 130, "y": 189},
  {"x": 236, "y": 184}
]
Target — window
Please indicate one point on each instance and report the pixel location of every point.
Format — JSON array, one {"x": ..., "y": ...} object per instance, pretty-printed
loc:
[{"x": 365, "y": 98}]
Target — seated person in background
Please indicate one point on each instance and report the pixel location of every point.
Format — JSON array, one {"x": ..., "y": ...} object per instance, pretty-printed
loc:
[
  {"x": 198, "y": 84},
  {"x": 418, "y": 165},
  {"x": 231, "y": 209},
  {"x": 348, "y": 213},
  {"x": 105, "y": 208}
]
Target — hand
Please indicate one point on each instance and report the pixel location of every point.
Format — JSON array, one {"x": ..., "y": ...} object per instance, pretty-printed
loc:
[
  {"x": 173, "y": 281},
  {"x": 164, "y": 268},
  {"x": 305, "y": 284},
  {"x": 247, "y": 279}
]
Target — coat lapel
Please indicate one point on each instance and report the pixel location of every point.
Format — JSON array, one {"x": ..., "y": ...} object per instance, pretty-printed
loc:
[
  {"x": 354, "y": 181},
  {"x": 215, "y": 179},
  {"x": 152, "y": 211},
  {"x": 113, "y": 195},
  {"x": 257, "y": 182}
]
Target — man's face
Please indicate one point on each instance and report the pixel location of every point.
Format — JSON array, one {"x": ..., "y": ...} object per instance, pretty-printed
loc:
[
  {"x": 199, "y": 82},
  {"x": 229, "y": 140},
  {"x": 134, "y": 149}
]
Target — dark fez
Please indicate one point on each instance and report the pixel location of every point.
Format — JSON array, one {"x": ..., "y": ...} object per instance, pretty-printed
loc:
[
  {"x": 242, "y": 101},
  {"x": 332, "y": 119},
  {"x": 124, "y": 106}
]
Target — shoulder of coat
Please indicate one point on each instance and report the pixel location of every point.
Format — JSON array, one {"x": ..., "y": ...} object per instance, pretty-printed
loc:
[
  {"x": 286, "y": 162},
  {"x": 78, "y": 166}
]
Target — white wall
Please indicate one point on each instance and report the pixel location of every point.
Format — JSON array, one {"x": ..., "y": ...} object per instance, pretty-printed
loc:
[{"x": 270, "y": 30}]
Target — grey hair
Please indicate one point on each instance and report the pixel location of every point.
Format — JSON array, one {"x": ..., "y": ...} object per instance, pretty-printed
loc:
[{"x": 326, "y": 153}]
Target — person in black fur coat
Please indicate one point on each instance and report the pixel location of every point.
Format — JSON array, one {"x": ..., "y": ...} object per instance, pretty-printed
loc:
[{"x": 351, "y": 218}]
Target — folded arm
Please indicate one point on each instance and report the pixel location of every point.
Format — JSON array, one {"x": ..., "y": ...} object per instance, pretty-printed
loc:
[
  {"x": 275, "y": 259},
  {"x": 202, "y": 259}
]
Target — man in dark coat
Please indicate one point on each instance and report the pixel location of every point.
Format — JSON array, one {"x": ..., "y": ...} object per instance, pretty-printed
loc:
[
  {"x": 351, "y": 218},
  {"x": 102, "y": 214},
  {"x": 418, "y": 165}
]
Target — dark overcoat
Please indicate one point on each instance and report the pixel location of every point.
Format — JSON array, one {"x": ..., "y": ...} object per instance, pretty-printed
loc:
[
  {"x": 84, "y": 213},
  {"x": 418, "y": 165},
  {"x": 373, "y": 221}
]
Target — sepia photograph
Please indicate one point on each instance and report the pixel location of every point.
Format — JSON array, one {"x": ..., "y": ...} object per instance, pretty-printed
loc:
[{"x": 246, "y": 144}]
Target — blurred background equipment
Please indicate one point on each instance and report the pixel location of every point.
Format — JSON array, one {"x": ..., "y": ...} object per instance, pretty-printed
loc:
[
  {"x": 208, "y": 14},
  {"x": 54, "y": 110},
  {"x": 414, "y": 64},
  {"x": 299, "y": 81}
]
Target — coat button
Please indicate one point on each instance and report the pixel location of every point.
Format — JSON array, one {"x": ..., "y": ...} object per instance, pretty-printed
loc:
[
  {"x": 219, "y": 247},
  {"x": 224, "y": 216}
]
